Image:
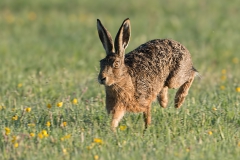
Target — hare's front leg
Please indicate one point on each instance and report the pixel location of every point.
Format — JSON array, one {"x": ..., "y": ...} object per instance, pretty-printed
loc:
[
  {"x": 183, "y": 92},
  {"x": 147, "y": 117},
  {"x": 117, "y": 115},
  {"x": 163, "y": 97}
]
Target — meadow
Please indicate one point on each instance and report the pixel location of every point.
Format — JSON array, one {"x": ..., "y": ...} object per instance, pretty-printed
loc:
[{"x": 52, "y": 107}]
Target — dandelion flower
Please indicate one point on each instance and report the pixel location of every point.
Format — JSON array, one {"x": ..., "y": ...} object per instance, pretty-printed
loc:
[
  {"x": 64, "y": 124},
  {"x": 210, "y": 132},
  {"x": 59, "y": 104},
  {"x": 44, "y": 133},
  {"x": 48, "y": 124},
  {"x": 122, "y": 128},
  {"x": 64, "y": 151},
  {"x": 187, "y": 150},
  {"x": 31, "y": 124},
  {"x": 32, "y": 135},
  {"x": 224, "y": 71},
  {"x": 7, "y": 130},
  {"x": 98, "y": 140},
  {"x": 66, "y": 137},
  {"x": 238, "y": 89},
  {"x": 96, "y": 157},
  {"x": 28, "y": 109},
  {"x": 214, "y": 108},
  {"x": 49, "y": 105},
  {"x": 223, "y": 77},
  {"x": 40, "y": 135},
  {"x": 14, "y": 118},
  {"x": 235, "y": 60},
  {"x": 19, "y": 85},
  {"x": 91, "y": 146},
  {"x": 222, "y": 87},
  {"x": 16, "y": 145},
  {"x": 14, "y": 138},
  {"x": 75, "y": 101}
]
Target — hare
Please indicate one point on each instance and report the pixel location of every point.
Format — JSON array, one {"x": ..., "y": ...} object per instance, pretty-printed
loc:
[{"x": 133, "y": 81}]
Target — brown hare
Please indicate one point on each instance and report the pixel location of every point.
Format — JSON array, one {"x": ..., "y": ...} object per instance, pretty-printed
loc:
[{"x": 134, "y": 80}]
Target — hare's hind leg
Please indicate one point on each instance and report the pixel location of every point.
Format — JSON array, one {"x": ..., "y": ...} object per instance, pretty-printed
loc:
[
  {"x": 147, "y": 117},
  {"x": 116, "y": 117},
  {"x": 163, "y": 97},
  {"x": 183, "y": 92}
]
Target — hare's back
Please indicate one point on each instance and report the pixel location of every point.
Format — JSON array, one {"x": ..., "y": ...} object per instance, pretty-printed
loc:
[{"x": 159, "y": 53}]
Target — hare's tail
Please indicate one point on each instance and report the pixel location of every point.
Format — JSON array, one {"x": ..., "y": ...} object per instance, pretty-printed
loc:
[{"x": 196, "y": 73}]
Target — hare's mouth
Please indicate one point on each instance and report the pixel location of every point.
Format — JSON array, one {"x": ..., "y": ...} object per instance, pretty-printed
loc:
[{"x": 105, "y": 81}]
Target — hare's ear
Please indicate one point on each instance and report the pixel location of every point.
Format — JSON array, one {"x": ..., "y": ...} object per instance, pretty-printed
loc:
[
  {"x": 105, "y": 38},
  {"x": 122, "y": 37}
]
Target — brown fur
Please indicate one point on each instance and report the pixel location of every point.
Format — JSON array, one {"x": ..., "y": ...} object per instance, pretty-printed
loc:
[{"x": 134, "y": 80}]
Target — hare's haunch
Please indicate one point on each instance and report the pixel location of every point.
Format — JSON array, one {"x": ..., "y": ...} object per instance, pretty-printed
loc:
[{"x": 134, "y": 80}]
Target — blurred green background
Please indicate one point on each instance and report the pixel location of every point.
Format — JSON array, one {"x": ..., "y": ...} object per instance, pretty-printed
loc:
[{"x": 50, "y": 52}]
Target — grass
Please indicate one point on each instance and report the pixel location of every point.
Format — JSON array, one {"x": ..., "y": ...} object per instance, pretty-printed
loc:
[{"x": 50, "y": 53}]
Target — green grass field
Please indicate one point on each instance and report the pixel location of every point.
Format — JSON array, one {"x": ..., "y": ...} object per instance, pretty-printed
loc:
[{"x": 52, "y": 107}]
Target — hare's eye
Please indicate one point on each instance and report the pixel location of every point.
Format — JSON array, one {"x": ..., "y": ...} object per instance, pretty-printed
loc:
[{"x": 116, "y": 64}]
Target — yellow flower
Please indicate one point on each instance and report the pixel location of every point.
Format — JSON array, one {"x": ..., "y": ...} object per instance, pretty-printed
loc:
[
  {"x": 224, "y": 71},
  {"x": 64, "y": 151},
  {"x": 222, "y": 87},
  {"x": 14, "y": 138},
  {"x": 2, "y": 107},
  {"x": 14, "y": 118},
  {"x": 238, "y": 89},
  {"x": 32, "y": 135},
  {"x": 64, "y": 124},
  {"x": 235, "y": 60},
  {"x": 16, "y": 145},
  {"x": 210, "y": 132},
  {"x": 187, "y": 150},
  {"x": 214, "y": 109},
  {"x": 75, "y": 101},
  {"x": 31, "y": 124},
  {"x": 122, "y": 128},
  {"x": 28, "y": 109},
  {"x": 40, "y": 135},
  {"x": 49, "y": 105},
  {"x": 91, "y": 146},
  {"x": 19, "y": 85},
  {"x": 97, "y": 140},
  {"x": 45, "y": 134},
  {"x": 223, "y": 77},
  {"x": 66, "y": 137},
  {"x": 7, "y": 130},
  {"x": 96, "y": 157},
  {"x": 48, "y": 124},
  {"x": 59, "y": 104}
]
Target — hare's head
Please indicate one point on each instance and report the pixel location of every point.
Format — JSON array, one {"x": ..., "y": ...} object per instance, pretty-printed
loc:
[{"x": 112, "y": 67}]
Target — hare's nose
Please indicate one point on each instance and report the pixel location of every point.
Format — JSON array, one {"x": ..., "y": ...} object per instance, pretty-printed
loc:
[{"x": 102, "y": 80}]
